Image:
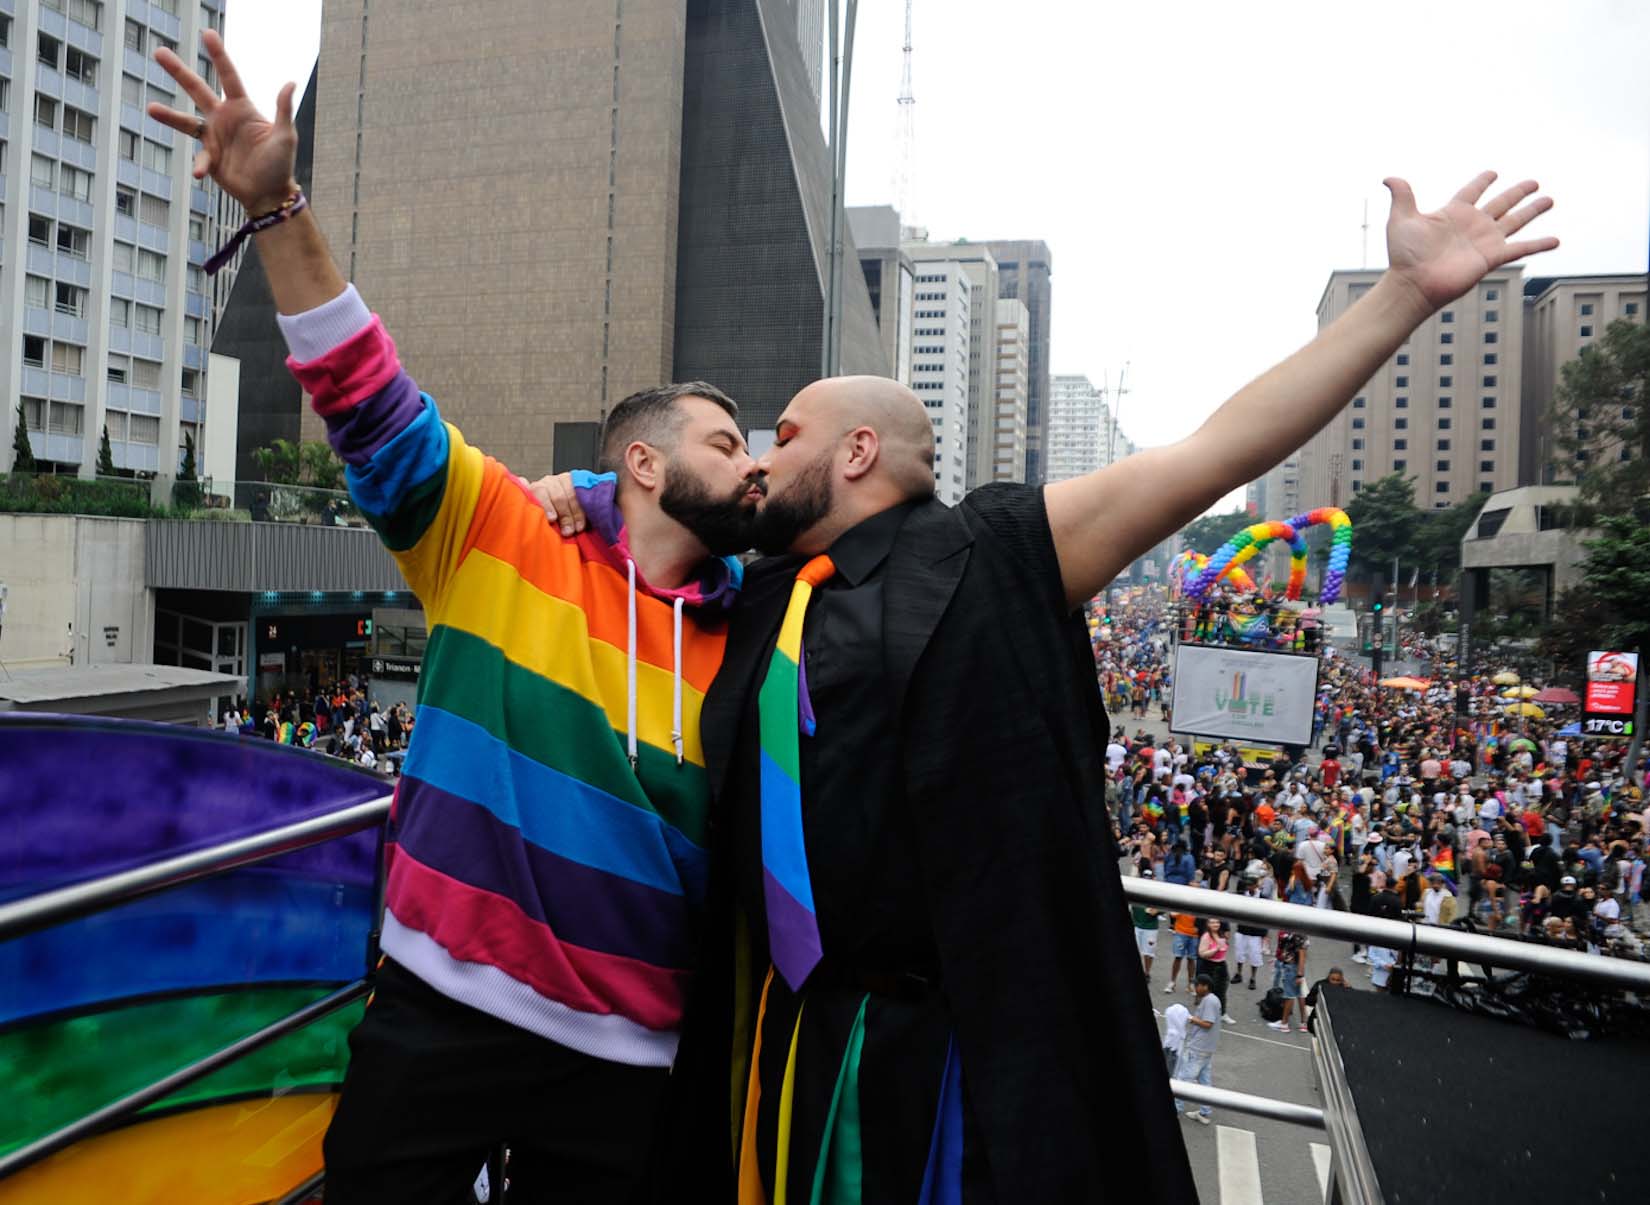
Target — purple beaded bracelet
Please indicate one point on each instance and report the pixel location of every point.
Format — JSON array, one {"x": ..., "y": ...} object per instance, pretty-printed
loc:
[{"x": 296, "y": 203}]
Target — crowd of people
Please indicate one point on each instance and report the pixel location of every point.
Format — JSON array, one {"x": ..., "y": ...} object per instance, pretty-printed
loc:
[{"x": 340, "y": 722}]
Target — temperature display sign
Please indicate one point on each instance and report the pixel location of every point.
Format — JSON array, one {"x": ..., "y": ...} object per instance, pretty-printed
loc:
[{"x": 1612, "y": 689}]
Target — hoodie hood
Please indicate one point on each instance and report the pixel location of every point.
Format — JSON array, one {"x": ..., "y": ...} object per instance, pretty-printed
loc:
[{"x": 605, "y": 538}]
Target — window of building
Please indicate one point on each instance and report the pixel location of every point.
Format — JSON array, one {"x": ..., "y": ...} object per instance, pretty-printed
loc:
[
  {"x": 145, "y": 374},
  {"x": 120, "y": 367},
  {"x": 1586, "y": 309},
  {"x": 68, "y": 358},
  {"x": 65, "y": 418},
  {"x": 1486, "y": 445},
  {"x": 114, "y": 422},
  {"x": 145, "y": 429},
  {"x": 1447, "y": 337},
  {"x": 34, "y": 351},
  {"x": 42, "y": 171},
  {"x": 1445, "y": 403},
  {"x": 1403, "y": 382},
  {"x": 1399, "y": 424},
  {"x": 191, "y": 382},
  {"x": 72, "y": 182},
  {"x": 1487, "y": 424},
  {"x": 1486, "y": 466},
  {"x": 1489, "y": 381},
  {"x": 1400, "y": 445},
  {"x": 124, "y": 257},
  {"x": 1446, "y": 359},
  {"x": 1399, "y": 465},
  {"x": 34, "y": 413},
  {"x": 1442, "y": 466},
  {"x": 78, "y": 125},
  {"x": 88, "y": 12},
  {"x": 1487, "y": 403},
  {"x": 1443, "y": 445},
  {"x": 5, "y": 95},
  {"x": 69, "y": 299},
  {"x": 129, "y": 143},
  {"x": 45, "y": 111},
  {"x": 157, "y": 158},
  {"x": 36, "y": 291},
  {"x": 1490, "y": 315},
  {"x": 197, "y": 229},
  {"x": 5, "y": 30},
  {"x": 1357, "y": 465},
  {"x": 1356, "y": 486},
  {"x": 1445, "y": 382},
  {"x": 1447, "y": 316},
  {"x": 71, "y": 240},
  {"x": 1492, "y": 294},
  {"x": 1441, "y": 488},
  {"x": 1403, "y": 359},
  {"x": 136, "y": 36},
  {"x": 1491, "y": 337},
  {"x": 147, "y": 320},
  {"x": 80, "y": 66},
  {"x": 1401, "y": 403},
  {"x": 153, "y": 211},
  {"x": 1357, "y": 424},
  {"x": 151, "y": 265},
  {"x": 1631, "y": 309},
  {"x": 1443, "y": 424},
  {"x": 49, "y": 50},
  {"x": 196, "y": 279},
  {"x": 1491, "y": 358},
  {"x": 192, "y": 331},
  {"x": 1358, "y": 444},
  {"x": 1358, "y": 403},
  {"x": 125, "y": 201},
  {"x": 131, "y": 91},
  {"x": 1586, "y": 332},
  {"x": 120, "y": 312},
  {"x": 40, "y": 230}
]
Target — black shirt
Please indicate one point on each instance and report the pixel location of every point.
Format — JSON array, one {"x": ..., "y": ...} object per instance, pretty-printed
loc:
[{"x": 869, "y": 904}]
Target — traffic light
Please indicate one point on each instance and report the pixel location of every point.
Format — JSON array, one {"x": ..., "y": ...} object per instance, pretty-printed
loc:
[{"x": 1379, "y": 606}]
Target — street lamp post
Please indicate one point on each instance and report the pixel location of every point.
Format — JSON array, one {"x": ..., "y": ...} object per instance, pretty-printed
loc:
[{"x": 841, "y": 68}]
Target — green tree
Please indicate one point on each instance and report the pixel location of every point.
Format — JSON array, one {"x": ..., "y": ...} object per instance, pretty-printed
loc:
[
  {"x": 1211, "y": 531},
  {"x": 186, "y": 491},
  {"x": 310, "y": 463},
  {"x": 1384, "y": 524},
  {"x": 1614, "y": 584},
  {"x": 1438, "y": 536},
  {"x": 22, "y": 456},
  {"x": 106, "y": 456},
  {"x": 278, "y": 462},
  {"x": 1601, "y": 418}
]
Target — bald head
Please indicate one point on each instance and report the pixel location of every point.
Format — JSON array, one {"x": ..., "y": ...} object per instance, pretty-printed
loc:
[{"x": 905, "y": 434}]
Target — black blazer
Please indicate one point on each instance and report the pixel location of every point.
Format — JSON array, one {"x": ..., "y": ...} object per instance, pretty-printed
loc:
[{"x": 1003, "y": 745}]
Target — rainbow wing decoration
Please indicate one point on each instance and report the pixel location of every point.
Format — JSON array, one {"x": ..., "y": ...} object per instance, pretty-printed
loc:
[
  {"x": 1198, "y": 573},
  {"x": 96, "y": 1008},
  {"x": 1190, "y": 562}
]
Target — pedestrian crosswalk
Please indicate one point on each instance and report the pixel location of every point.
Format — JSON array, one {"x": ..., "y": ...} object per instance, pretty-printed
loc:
[{"x": 1238, "y": 1156}]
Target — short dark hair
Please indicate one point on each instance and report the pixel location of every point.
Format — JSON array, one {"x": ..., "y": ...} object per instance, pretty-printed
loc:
[{"x": 652, "y": 416}]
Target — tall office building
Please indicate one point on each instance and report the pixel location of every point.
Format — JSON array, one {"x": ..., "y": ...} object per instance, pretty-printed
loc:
[
  {"x": 981, "y": 272},
  {"x": 108, "y": 322},
  {"x": 1011, "y": 386},
  {"x": 810, "y": 35},
  {"x": 1079, "y": 428},
  {"x": 1562, "y": 316},
  {"x": 890, "y": 280},
  {"x": 551, "y": 214},
  {"x": 1444, "y": 410},
  {"x": 939, "y": 368},
  {"x": 1025, "y": 268}
]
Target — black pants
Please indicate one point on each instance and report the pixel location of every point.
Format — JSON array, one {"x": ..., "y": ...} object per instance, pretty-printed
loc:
[{"x": 433, "y": 1085}]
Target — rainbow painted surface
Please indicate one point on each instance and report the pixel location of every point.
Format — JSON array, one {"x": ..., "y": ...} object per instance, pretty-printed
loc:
[{"x": 93, "y": 1009}]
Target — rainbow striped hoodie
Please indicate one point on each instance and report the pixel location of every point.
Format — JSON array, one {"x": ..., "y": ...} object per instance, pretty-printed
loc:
[{"x": 548, "y": 857}]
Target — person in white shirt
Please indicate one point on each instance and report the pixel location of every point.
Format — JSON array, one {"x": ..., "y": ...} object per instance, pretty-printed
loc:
[
  {"x": 367, "y": 758},
  {"x": 1162, "y": 759},
  {"x": 1401, "y": 861},
  {"x": 1116, "y": 755},
  {"x": 1490, "y": 809},
  {"x": 1174, "y": 1034},
  {"x": 1608, "y": 912},
  {"x": 1432, "y": 899},
  {"x": 232, "y": 721}
]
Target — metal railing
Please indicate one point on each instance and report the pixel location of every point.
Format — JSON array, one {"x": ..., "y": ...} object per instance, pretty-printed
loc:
[
  {"x": 1403, "y": 936},
  {"x": 28, "y": 915}
]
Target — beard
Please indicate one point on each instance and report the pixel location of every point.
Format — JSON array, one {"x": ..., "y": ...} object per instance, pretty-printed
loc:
[
  {"x": 724, "y": 525},
  {"x": 808, "y": 500}
]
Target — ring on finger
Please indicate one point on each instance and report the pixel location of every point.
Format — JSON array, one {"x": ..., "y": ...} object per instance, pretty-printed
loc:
[{"x": 200, "y": 128}]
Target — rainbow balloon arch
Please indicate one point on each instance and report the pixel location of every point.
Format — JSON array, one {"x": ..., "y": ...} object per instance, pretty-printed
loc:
[{"x": 1198, "y": 574}]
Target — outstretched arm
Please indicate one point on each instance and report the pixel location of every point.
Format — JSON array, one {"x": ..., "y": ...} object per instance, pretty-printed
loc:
[{"x": 1106, "y": 519}]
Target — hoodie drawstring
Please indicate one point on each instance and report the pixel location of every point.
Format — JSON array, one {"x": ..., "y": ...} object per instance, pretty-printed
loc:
[
  {"x": 676, "y": 681},
  {"x": 630, "y": 681}
]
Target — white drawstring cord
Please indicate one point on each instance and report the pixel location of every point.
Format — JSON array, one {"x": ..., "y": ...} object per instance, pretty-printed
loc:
[
  {"x": 676, "y": 682},
  {"x": 630, "y": 722}
]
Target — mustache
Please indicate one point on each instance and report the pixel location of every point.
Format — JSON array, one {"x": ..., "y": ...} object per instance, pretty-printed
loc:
[{"x": 757, "y": 482}]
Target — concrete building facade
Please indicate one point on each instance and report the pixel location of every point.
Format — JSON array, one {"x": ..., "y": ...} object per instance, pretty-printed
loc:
[
  {"x": 941, "y": 322},
  {"x": 890, "y": 281},
  {"x": 1562, "y": 316},
  {"x": 551, "y": 214},
  {"x": 1011, "y": 387},
  {"x": 107, "y": 314},
  {"x": 1025, "y": 270},
  {"x": 1444, "y": 410},
  {"x": 1079, "y": 428}
]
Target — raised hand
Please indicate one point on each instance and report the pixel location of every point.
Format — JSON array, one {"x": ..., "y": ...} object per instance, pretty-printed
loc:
[
  {"x": 250, "y": 157},
  {"x": 1442, "y": 255}
]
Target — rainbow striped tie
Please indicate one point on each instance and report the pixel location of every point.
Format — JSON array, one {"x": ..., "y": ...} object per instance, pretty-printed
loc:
[{"x": 783, "y": 714}]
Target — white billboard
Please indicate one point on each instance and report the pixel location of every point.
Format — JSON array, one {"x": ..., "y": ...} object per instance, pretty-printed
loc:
[{"x": 1244, "y": 696}]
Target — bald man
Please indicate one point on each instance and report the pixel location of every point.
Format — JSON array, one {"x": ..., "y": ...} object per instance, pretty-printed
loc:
[{"x": 929, "y": 988}]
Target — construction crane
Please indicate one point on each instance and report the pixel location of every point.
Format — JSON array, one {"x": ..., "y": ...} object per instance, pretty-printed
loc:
[{"x": 907, "y": 130}]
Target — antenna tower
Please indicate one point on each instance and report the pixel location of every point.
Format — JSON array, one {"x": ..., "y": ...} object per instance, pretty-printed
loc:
[{"x": 907, "y": 131}]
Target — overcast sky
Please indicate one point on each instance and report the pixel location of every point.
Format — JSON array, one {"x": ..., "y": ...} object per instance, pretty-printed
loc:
[{"x": 1198, "y": 168}]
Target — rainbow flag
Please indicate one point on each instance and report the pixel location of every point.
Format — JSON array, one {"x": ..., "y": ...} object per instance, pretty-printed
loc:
[{"x": 1443, "y": 861}]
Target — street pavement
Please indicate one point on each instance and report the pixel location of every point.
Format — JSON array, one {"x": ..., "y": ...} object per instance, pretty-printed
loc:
[{"x": 1240, "y": 1159}]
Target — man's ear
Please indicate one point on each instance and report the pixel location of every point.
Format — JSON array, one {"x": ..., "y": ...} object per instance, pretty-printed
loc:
[
  {"x": 644, "y": 464},
  {"x": 863, "y": 450}
]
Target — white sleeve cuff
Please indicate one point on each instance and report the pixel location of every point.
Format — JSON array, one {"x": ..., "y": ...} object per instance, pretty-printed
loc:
[{"x": 313, "y": 333}]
